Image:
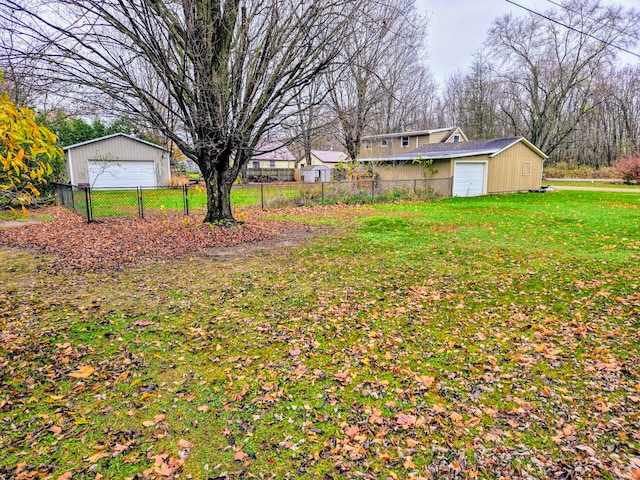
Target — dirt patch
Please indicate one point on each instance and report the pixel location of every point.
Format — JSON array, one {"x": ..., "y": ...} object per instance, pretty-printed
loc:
[{"x": 264, "y": 247}]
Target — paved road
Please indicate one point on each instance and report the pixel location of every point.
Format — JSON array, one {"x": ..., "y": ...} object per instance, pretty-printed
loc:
[{"x": 599, "y": 189}]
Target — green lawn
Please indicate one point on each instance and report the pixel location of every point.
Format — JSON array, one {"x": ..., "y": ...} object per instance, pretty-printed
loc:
[
  {"x": 587, "y": 183},
  {"x": 488, "y": 337},
  {"x": 125, "y": 202}
]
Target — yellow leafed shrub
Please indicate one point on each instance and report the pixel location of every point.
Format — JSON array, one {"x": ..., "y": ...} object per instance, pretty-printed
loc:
[{"x": 26, "y": 150}]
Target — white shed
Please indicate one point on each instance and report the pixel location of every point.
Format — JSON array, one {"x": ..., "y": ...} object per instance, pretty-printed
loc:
[
  {"x": 316, "y": 174},
  {"x": 117, "y": 161}
]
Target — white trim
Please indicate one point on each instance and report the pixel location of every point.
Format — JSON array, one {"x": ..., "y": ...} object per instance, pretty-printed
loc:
[
  {"x": 457, "y": 131},
  {"x": 404, "y": 134},
  {"x": 485, "y": 176},
  {"x": 70, "y": 168},
  {"x": 131, "y": 137},
  {"x": 425, "y": 156},
  {"x": 535, "y": 149},
  {"x": 168, "y": 180}
]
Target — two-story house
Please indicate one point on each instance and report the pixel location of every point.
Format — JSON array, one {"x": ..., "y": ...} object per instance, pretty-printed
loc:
[{"x": 470, "y": 168}]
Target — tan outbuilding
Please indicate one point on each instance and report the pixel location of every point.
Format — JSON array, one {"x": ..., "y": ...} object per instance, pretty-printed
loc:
[
  {"x": 117, "y": 161},
  {"x": 477, "y": 167}
]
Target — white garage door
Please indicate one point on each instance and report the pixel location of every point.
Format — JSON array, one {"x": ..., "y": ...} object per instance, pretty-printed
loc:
[
  {"x": 468, "y": 179},
  {"x": 122, "y": 173}
]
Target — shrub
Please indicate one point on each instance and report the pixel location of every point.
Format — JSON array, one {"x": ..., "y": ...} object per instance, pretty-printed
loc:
[{"x": 629, "y": 168}]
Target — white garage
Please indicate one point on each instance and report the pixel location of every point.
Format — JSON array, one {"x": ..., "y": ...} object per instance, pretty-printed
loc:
[
  {"x": 469, "y": 179},
  {"x": 117, "y": 161}
]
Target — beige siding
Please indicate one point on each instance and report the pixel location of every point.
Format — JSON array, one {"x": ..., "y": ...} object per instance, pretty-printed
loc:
[
  {"x": 394, "y": 145},
  {"x": 410, "y": 171},
  {"x": 316, "y": 161},
  {"x": 439, "y": 136},
  {"x": 373, "y": 148},
  {"x": 516, "y": 169},
  {"x": 265, "y": 164},
  {"x": 117, "y": 149}
]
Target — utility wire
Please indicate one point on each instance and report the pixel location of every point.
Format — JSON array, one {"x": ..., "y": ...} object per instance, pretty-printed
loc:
[
  {"x": 623, "y": 31},
  {"x": 574, "y": 29}
]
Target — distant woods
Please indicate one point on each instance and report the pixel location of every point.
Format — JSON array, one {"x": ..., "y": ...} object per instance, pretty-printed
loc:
[{"x": 556, "y": 80}]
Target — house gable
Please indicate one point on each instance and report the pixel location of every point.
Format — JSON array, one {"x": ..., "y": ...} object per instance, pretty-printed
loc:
[
  {"x": 402, "y": 142},
  {"x": 272, "y": 155}
]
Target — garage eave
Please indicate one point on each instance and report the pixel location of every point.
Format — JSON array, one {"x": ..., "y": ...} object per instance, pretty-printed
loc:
[
  {"x": 131, "y": 137},
  {"x": 531, "y": 146}
]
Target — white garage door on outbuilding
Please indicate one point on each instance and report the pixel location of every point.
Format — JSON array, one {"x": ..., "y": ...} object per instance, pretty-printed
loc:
[
  {"x": 469, "y": 179},
  {"x": 122, "y": 173},
  {"x": 117, "y": 161}
]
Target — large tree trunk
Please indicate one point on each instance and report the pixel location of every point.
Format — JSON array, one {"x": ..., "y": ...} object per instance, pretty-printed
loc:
[{"x": 218, "y": 185}]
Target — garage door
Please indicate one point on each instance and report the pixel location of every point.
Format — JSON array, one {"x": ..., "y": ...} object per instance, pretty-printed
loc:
[
  {"x": 122, "y": 173},
  {"x": 468, "y": 179}
]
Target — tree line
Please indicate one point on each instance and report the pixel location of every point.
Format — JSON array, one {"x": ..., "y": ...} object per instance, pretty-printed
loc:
[{"x": 219, "y": 78}]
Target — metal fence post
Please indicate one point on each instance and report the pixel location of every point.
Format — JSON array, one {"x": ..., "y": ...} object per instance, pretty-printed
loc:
[
  {"x": 262, "y": 195},
  {"x": 322, "y": 184},
  {"x": 87, "y": 198},
  {"x": 185, "y": 189},
  {"x": 373, "y": 190},
  {"x": 140, "y": 203}
]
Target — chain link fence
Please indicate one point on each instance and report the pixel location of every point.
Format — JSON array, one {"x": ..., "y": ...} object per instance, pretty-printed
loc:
[
  {"x": 93, "y": 203},
  {"x": 356, "y": 192}
]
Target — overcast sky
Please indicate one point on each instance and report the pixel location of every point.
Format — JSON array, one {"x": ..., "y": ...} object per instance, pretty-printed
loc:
[{"x": 457, "y": 28}]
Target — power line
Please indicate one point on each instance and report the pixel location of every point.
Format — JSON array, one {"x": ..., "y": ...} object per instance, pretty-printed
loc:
[
  {"x": 622, "y": 31},
  {"x": 574, "y": 29}
]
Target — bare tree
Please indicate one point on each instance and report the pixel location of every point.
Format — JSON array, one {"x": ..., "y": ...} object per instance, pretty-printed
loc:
[
  {"x": 550, "y": 65},
  {"x": 473, "y": 99},
  {"x": 410, "y": 97},
  {"x": 226, "y": 72},
  {"x": 381, "y": 44}
]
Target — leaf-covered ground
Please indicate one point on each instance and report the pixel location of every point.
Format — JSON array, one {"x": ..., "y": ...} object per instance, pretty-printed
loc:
[
  {"x": 493, "y": 337},
  {"x": 117, "y": 242}
]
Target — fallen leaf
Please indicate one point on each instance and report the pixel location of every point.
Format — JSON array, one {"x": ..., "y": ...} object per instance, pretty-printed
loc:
[
  {"x": 240, "y": 456},
  {"x": 425, "y": 380},
  {"x": 83, "y": 372},
  {"x": 182, "y": 443}
]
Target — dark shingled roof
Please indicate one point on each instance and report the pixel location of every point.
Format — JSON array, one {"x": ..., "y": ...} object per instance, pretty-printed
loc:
[
  {"x": 458, "y": 149},
  {"x": 493, "y": 145}
]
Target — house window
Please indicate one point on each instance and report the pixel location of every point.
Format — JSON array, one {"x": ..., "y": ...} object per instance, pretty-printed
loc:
[
  {"x": 256, "y": 164},
  {"x": 526, "y": 168},
  {"x": 272, "y": 164},
  {"x": 367, "y": 145},
  {"x": 384, "y": 142},
  {"x": 405, "y": 142},
  {"x": 456, "y": 138}
]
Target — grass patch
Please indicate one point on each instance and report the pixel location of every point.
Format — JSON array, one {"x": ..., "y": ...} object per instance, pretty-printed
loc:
[
  {"x": 589, "y": 183},
  {"x": 486, "y": 337}
]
